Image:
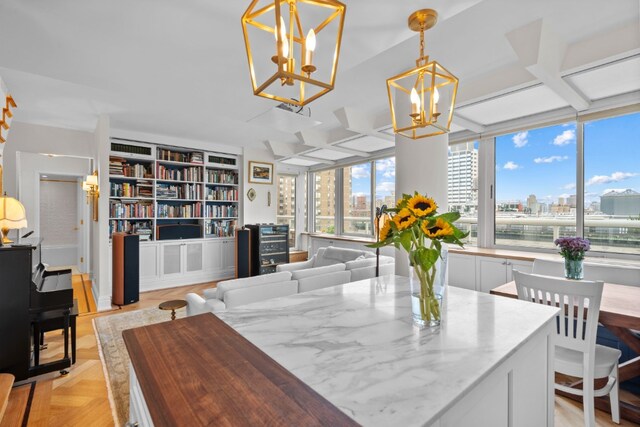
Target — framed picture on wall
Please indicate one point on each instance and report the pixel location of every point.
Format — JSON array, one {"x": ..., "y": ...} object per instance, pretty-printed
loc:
[{"x": 260, "y": 172}]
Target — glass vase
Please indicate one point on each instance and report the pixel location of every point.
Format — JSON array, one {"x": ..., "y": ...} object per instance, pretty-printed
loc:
[
  {"x": 428, "y": 296},
  {"x": 573, "y": 269}
]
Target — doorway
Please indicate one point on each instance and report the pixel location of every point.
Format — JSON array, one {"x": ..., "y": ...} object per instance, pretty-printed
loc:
[{"x": 63, "y": 218}]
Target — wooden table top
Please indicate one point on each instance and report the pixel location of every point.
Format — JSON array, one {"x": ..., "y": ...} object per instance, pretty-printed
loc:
[
  {"x": 620, "y": 304},
  {"x": 198, "y": 371},
  {"x": 174, "y": 304}
]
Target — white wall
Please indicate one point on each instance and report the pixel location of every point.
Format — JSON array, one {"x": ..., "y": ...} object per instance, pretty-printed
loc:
[
  {"x": 258, "y": 210},
  {"x": 41, "y": 139},
  {"x": 421, "y": 165},
  {"x": 30, "y": 166},
  {"x": 100, "y": 230}
]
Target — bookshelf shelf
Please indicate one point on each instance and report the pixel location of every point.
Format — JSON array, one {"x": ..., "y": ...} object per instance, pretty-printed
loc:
[{"x": 172, "y": 184}]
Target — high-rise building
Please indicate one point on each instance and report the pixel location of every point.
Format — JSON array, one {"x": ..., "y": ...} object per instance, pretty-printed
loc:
[
  {"x": 625, "y": 202},
  {"x": 325, "y": 201},
  {"x": 532, "y": 204},
  {"x": 571, "y": 201},
  {"x": 463, "y": 177}
]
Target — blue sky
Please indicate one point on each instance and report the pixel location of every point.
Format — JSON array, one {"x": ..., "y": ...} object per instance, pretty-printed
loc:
[
  {"x": 543, "y": 161},
  {"x": 385, "y": 178}
]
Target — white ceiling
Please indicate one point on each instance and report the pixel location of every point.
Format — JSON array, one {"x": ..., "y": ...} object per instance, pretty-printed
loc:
[{"x": 180, "y": 69}]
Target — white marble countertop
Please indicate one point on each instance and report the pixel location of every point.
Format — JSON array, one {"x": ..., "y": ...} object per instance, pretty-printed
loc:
[{"x": 355, "y": 345}]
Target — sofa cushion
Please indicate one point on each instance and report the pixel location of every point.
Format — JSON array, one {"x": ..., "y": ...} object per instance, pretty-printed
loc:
[
  {"x": 317, "y": 271},
  {"x": 368, "y": 262},
  {"x": 223, "y": 287},
  {"x": 343, "y": 254},
  {"x": 247, "y": 295},
  {"x": 370, "y": 272},
  {"x": 215, "y": 305},
  {"x": 318, "y": 282}
]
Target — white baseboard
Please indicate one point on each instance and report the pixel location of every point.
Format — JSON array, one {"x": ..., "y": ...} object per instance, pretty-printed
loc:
[
  {"x": 103, "y": 302},
  {"x": 154, "y": 284}
]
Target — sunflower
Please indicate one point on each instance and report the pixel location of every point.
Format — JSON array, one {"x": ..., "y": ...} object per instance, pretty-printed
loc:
[
  {"x": 422, "y": 206},
  {"x": 385, "y": 231},
  {"x": 404, "y": 219},
  {"x": 441, "y": 229}
]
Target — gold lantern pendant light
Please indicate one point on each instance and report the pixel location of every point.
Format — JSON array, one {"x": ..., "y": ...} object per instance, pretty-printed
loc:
[
  {"x": 296, "y": 77},
  {"x": 422, "y": 99}
]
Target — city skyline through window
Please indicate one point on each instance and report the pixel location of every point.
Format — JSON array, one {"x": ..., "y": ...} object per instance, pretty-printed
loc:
[
  {"x": 536, "y": 185},
  {"x": 612, "y": 183}
]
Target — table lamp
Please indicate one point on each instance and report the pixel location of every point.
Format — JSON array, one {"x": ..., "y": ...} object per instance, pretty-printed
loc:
[{"x": 12, "y": 216}]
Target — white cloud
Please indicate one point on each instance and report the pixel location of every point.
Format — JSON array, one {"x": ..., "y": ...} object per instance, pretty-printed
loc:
[
  {"x": 386, "y": 187},
  {"x": 520, "y": 139},
  {"x": 550, "y": 159},
  {"x": 566, "y": 137},
  {"x": 387, "y": 167},
  {"x": 511, "y": 165},
  {"x": 570, "y": 186},
  {"x": 614, "y": 177},
  {"x": 358, "y": 172}
]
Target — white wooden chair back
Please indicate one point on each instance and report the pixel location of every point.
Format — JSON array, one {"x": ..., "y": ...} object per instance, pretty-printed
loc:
[{"x": 581, "y": 301}]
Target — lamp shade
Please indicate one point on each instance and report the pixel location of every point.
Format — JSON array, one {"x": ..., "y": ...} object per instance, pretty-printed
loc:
[
  {"x": 12, "y": 213},
  {"x": 92, "y": 180}
]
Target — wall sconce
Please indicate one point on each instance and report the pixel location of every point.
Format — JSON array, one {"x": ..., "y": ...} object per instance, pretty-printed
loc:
[{"x": 90, "y": 185}]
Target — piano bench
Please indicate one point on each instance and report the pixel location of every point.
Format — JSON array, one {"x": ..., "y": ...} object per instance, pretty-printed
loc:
[{"x": 51, "y": 321}]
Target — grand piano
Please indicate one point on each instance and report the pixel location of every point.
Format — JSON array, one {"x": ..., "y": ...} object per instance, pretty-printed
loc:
[{"x": 28, "y": 293}]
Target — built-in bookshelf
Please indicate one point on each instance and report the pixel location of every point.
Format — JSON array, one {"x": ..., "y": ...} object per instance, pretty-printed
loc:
[{"x": 151, "y": 186}]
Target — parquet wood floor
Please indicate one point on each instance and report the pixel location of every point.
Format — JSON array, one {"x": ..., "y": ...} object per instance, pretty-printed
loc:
[{"x": 80, "y": 398}]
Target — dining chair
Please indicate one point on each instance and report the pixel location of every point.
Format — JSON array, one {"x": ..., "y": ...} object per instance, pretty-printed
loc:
[{"x": 576, "y": 351}]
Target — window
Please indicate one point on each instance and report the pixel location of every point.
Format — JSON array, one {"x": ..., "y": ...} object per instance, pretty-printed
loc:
[
  {"x": 612, "y": 183},
  {"x": 356, "y": 183},
  {"x": 535, "y": 186},
  {"x": 325, "y": 202},
  {"x": 361, "y": 188},
  {"x": 385, "y": 182},
  {"x": 462, "y": 188},
  {"x": 287, "y": 205}
]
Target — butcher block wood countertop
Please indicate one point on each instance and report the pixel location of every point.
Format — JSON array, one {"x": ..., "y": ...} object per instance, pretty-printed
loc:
[{"x": 199, "y": 371}]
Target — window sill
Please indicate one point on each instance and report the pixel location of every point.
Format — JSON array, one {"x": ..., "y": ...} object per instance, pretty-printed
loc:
[{"x": 530, "y": 256}]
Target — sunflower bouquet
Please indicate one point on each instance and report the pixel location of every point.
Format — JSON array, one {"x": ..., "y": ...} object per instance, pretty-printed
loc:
[{"x": 417, "y": 228}]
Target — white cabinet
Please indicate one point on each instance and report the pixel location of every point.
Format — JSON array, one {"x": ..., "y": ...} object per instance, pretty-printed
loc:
[
  {"x": 181, "y": 257},
  {"x": 462, "y": 271},
  {"x": 483, "y": 273},
  {"x": 493, "y": 272},
  {"x": 228, "y": 255},
  {"x": 219, "y": 255},
  {"x": 148, "y": 262}
]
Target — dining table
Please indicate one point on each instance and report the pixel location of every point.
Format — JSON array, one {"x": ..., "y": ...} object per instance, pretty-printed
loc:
[{"x": 620, "y": 314}]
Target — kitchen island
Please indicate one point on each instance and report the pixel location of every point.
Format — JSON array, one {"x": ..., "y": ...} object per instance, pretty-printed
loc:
[{"x": 490, "y": 363}]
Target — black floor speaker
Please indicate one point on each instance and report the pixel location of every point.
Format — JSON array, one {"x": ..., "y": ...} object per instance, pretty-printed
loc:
[
  {"x": 126, "y": 268},
  {"x": 243, "y": 253}
]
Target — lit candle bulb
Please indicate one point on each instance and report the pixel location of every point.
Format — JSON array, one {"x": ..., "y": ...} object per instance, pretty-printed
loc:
[
  {"x": 281, "y": 55},
  {"x": 309, "y": 48},
  {"x": 436, "y": 98},
  {"x": 415, "y": 103}
]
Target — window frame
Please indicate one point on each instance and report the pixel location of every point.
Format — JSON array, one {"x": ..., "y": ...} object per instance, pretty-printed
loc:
[
  {"x": 339, "y": 194},
  {"x": 487, "y": 182}
]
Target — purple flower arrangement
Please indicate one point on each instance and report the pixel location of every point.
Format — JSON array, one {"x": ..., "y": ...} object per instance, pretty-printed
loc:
[{"x": 573, "y": 248}]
